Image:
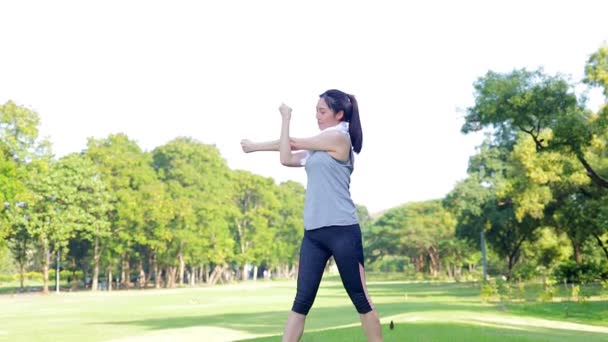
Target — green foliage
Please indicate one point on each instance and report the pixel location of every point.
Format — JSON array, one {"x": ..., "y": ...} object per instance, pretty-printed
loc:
[
  {"x": 505, "y": 290},
  {"x": 596, "y": 70},
  {"x": 7, "y": 264},
  {"x": 489, "y": 291},
  {"x": 423, "y": 232},
  {"x": 549, "y": 290},
  {"x": 588, "y": 271},
  {"x": 18, "y": 131},
  {"x": 526, "y": 272},
  {"x": 604, "y": 292}
]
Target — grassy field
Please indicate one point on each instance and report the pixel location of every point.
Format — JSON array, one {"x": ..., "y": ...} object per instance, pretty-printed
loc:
[{"x": 257, "y": 312}]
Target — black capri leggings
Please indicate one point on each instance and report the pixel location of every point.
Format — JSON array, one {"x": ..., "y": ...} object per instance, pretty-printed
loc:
[{"x": 344, "y": 243}]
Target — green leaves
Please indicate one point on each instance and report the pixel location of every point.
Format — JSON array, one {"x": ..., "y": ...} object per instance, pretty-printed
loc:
[
  {"x": 521, "y": 100},
  {"x": 596, "y": 69},
  {"x": 18, "y": 131},
  {"x": 562, "y": 187}
]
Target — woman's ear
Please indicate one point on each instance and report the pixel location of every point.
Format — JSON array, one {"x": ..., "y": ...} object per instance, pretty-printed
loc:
[{"x": 340, "y": 115}]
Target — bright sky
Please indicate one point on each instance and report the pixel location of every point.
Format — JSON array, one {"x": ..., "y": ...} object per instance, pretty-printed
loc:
[{"x": 218, "y": 70}]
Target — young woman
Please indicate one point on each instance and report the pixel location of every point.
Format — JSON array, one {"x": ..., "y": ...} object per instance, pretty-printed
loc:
[{"x": 330, "y": 222}]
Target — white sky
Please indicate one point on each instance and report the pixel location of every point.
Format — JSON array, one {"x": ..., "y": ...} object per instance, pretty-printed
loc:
[{"x": 218, "y": 70}]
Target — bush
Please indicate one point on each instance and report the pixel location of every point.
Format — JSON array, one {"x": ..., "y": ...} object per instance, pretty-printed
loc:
[
  {"x": 584, "y": 273},
  {"x": 548, "y": 292},
  {"x": 37, "y": 276},
  {"x": 505, "y": 291},
  {"x": 526, "y": 272},
  {"x": 66, "y": 275},
  {"x": 604, "y": 290},
  {"x": 489, "y": 291},
  {"x": 6, "y": 278}
]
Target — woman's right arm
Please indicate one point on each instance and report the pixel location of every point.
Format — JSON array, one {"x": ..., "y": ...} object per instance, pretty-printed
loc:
[{"x": 251, "y": 146}]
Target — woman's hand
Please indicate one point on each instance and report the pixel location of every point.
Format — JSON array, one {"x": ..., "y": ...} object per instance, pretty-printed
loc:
[
  {"x": 285, "y": 111},
  {"x": 247, "y": 145}
]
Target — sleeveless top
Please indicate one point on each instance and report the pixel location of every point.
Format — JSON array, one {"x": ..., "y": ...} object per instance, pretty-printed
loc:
[{"x": 328, "y": 201}]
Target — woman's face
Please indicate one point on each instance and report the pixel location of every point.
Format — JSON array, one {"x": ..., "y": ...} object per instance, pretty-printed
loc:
[{"x": 325, "y": 116}]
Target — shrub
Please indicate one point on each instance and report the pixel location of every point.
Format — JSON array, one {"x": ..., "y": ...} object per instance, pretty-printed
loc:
[{"x": 584, "y": 273}]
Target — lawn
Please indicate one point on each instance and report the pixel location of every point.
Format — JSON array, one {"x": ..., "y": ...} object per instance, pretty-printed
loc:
[{"x": 257, "y": 312}]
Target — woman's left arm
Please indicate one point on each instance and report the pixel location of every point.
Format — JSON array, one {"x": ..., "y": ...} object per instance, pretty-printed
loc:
[{"x": 333, "y": 142}]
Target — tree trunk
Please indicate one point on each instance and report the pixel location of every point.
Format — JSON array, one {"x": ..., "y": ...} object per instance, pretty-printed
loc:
[
  {"x": 96, "y": 257},
  {"x": 511, "y": 261},
  {"x": 141, "y": 279},
  {"x": 203, "y": 275},
  {"x": 244, "y": 275},
  {"x": 85, "y": 272},
  {"x": 451, "y": 271},
  {"x": 182, "y": 267},
  {"x": 74, "y": 280},
  {"x": 157, "y": 275},
  {"x": 193, "y": 274},
  {"x": 578, "y": 255},
  {"x": 215, "y": 275},
  {"x": 435, "y": 261},
  {"x": 167, "y": 277},
  {"x": 170, "y": 273},
  {"x": 226, "y": 276},
  {"x": 46, "y": 261},
  {"x": 149, "y": 274},
  {"x": 419, "y": 262},
  {"x": 293, "y": 272},
  {"x": 255, "y": 273},
  {"x": 126, "y": 275},
  {"x": 21, "y": 272},
  {"x": 110, "y": 279}
]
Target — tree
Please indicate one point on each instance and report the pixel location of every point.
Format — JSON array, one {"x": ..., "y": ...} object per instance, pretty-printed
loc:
[
  {"x": 257, "y": 207},
  {"x": 127, "y": 174},
  {"x": 532, "y": 102},
  {"x": 486, "y": 203},
  {"x": 18, "y": 145},
  {"x": 198, "y": 185},
  {"x": 289, "y": 226},
  {"x": 89, "y": 203},
  {"x": 417, "y": 230}
]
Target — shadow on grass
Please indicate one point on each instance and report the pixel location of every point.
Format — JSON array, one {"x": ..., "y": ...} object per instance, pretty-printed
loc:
[
  {"x": 422, "y": 290},
  {"x": 449, "y": 300},
  {"x": 591, "y": 312},
  {"x": 427, "y": 331},
  {"x": 270, "y": 322}
]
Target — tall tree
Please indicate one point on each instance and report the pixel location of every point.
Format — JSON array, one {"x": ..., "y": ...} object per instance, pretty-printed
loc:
[
  {"x": 126, "y": 171},
  {"x": 533, "y": 102},
  {"x": 257, "y": 205},
  {"x": 289, "y": 227},
  {"x": 198, "y": 185}
]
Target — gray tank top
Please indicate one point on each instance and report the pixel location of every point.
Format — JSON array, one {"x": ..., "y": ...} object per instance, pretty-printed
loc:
[{"x": 328, "y": 201}]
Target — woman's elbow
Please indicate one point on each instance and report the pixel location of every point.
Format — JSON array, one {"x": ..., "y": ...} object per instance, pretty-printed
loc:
[{"x": 285, "y": 159}]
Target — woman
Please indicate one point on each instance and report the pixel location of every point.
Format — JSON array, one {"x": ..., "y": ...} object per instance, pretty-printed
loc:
[{"x": 330, "y": 222}]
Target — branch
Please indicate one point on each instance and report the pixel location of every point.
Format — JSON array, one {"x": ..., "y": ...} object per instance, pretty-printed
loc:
[
  {"x": 591, "y": 173},
  {"x": 601, "y": 244},
  {"x": 538, "y": 143}
]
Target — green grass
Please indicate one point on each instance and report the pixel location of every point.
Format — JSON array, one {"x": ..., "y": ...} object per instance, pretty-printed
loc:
[{"x": 421, "y": 311}]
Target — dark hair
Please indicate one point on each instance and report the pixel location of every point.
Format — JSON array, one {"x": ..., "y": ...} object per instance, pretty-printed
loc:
[{"x": 337, "y": 101}]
